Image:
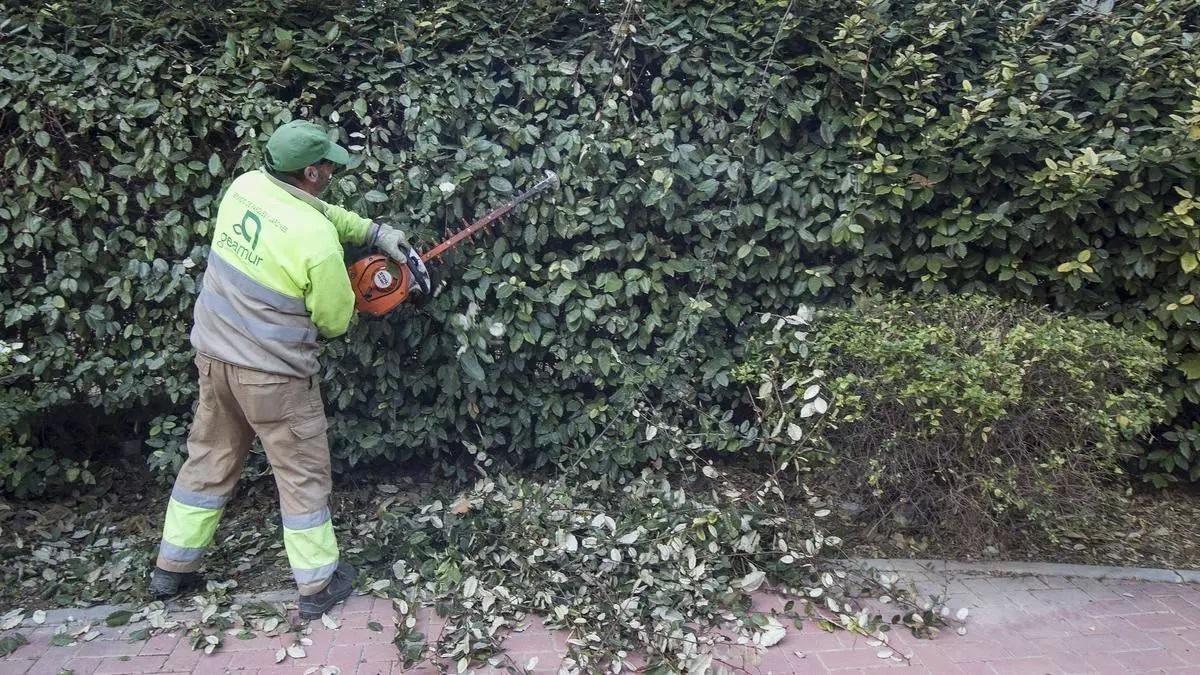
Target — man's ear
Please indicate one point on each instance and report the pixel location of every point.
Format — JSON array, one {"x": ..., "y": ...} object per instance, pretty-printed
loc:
[{"x": 311, "y": 174}]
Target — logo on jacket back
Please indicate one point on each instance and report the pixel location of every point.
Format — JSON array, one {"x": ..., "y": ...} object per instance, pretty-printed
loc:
[{"x": 250, "y": 228}]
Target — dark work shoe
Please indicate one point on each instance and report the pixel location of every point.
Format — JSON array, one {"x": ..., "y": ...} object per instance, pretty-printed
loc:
[
  {"x": 164, "y": 584},
  {"x": 341, "y": 585}
]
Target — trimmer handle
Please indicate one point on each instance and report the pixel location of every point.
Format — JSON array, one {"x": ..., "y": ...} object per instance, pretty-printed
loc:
[{"x": 420, "y": 275}]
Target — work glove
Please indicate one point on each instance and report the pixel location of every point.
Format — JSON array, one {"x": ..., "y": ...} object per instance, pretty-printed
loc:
[{"x": 391, "y": 241}]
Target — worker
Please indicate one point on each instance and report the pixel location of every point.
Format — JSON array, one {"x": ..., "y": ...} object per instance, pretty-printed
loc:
[{"x": 276, "y": 279}]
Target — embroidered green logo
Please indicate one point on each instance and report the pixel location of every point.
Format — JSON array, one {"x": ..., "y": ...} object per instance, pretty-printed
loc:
[
  {"x": 241, "y": 229},
  {"x": 248, "y": 229}
]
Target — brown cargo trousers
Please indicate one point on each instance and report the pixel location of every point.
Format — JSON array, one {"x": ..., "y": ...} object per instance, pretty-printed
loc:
[{"x": 236, "y": 404}]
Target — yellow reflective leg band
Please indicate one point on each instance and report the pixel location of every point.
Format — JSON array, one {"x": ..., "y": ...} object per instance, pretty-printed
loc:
[
  {"x": 188, "y": 530},
  {"x": 312, "y": 552}
]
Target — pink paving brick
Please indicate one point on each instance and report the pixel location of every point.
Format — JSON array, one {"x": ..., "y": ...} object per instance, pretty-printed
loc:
[
  {"x": 361, "y": 636},
  {"x": 1102, "y": 644},
  {"x": 1103, "y": 663},
  {"x": 345, "y": 656},
  {"x": 1116, "y": 625},
  {"x": 1024, "y": 666},
  {"x": 1119, "y": 606},
  {"x": 1179, "y": 638},
  {"x": 773, "y": 660},
  {"x": 52, "y": 662},
  {"x": 530, "y": 641},
  {"x": 966, "y": 651},
  {"x": 864, "y": 656},
  {"x": 1157, "y": 621},
  {"x": 934, "y": 660},
  {"x": 134, "y": 665},
  {"x": 1149, "y": 659},
  {"x": 1184, "y": 597},
  {"x": 999, "y": 614},
  {"x": 1152, "y": 589},
  {"x": 1177, "y": 642},
  {"x": 1067, "y": 597},
  {"x": 1183, "y": 608},
  {"x": 232, "y": 643},
  {"x": 108, "y": 648},
  {"x": 215, "y": 663},
  {"x": 1046, "y": 621},
  {"x": 397, "y": 669},
  {"x": 39, "y": 644},
  {"x": 161, "y": 644},
  {"x": 976, "y": 669},
  {"x": 183, "y": 658},
  {"x": 1067, "y": 662},
  {"x": 250, "y": 660},
  {"x": 386, "y": 667},
  {"x": 810, "y": 639},
  {"x": 1076, "y": 644},
  {"x": 322, "y": 640},
  {"x": 1145, "y": 603},
  {"x": 1191, "y": 636},
  {"x": 376, "y": 653},
  {"x": 283, "y": 669},
  {"x": 82, "y": 666},
  {"x": 360, "y": 620}
]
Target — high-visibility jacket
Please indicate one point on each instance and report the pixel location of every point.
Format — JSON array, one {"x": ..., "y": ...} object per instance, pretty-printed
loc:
[{"x": 276, "y": 277}]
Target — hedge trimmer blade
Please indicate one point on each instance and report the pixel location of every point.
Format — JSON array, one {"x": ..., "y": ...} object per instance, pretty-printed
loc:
[{"x": 439, "y": 250}]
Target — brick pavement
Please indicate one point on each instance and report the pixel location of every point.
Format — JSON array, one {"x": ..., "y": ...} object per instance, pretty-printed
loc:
[{"x": 1019, "y": 624}]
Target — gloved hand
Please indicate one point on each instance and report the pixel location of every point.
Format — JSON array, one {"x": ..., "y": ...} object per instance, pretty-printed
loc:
[{"x": 391, "y": 241}]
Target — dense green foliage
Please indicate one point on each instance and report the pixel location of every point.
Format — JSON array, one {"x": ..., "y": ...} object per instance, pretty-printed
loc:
[
  {"x": 965, "y": 415},
  {"x": 718, "y": 158}
]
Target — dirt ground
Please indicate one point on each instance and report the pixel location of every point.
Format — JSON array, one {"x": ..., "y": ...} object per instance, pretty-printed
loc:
[{"x": 1152, "y": 528}]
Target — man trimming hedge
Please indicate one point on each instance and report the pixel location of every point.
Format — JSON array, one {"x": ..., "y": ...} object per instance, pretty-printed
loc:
[{"x": 276, "y": 279}]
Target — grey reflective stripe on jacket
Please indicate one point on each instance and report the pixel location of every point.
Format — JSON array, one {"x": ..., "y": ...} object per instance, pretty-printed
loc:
[{"x": 240, "y": 321}]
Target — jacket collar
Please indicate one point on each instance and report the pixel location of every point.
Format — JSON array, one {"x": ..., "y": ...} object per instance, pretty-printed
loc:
[{"x": 295, "y": 192}]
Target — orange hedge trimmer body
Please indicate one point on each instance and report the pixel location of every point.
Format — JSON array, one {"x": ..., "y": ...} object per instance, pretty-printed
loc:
[{"x": 382, "y": 284}]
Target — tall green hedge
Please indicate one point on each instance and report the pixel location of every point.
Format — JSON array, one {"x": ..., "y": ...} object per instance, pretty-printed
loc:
[{"x": 718, "y": 159}]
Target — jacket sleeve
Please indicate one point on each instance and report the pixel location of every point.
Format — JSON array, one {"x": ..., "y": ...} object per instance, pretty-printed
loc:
[
  {"x": 329, "y": 298},
  {"x": 351, "y": 227}
]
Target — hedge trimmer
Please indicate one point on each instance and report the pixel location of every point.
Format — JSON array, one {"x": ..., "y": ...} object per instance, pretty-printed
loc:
[{"x": 381, "y": 284}]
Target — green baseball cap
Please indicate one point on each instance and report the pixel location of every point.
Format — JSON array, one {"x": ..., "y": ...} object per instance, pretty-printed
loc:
[{"x": 300, "y": 143}]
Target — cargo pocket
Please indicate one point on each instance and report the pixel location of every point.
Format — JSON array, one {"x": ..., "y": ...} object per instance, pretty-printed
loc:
[
  {"x": 306, "y": 411},
  {"x": 265, "y": 397},
  {"x": 308, "y": 426},
  {"x": 205, "y": 398}
]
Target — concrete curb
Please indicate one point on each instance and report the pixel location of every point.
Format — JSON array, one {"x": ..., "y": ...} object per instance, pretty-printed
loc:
[{"x": 1100, "y": 572}]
